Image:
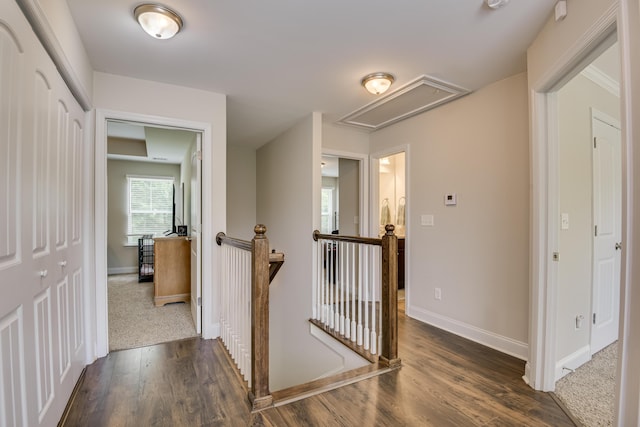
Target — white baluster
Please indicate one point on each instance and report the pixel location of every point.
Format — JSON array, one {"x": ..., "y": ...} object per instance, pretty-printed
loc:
[
  {"x": 367, "y": 306},
  {"x": 354, "y": 299}
]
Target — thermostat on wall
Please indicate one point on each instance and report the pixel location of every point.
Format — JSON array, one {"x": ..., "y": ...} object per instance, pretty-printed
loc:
[{"x": 450, "y": 199}]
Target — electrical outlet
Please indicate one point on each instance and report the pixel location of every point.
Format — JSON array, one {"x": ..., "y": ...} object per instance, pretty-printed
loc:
[{"x": 437, "y": 293}]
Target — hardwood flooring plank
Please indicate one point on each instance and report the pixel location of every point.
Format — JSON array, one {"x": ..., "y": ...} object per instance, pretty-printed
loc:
[{"x": 444, "y": 381}]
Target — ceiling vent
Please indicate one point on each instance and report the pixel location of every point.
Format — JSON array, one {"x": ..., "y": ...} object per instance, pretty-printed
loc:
[{"x": 417, "y": 96}]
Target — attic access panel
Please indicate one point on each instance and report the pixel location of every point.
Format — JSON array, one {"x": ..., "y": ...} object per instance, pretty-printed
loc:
[{"x": 417, "y": 96}]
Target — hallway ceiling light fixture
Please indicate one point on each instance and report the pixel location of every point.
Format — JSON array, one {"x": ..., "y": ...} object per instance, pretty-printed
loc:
[
  {"x": 158, "y": 21},
  {"x": 377, "y": 83},
  {"x": 496, "y": 4}
]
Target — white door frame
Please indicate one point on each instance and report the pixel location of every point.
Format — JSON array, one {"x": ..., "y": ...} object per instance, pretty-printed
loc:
[
  {"x": 100, "y": 229},
  {"x": 540, "y": 368},
  {"x": 364, "y": 183}
]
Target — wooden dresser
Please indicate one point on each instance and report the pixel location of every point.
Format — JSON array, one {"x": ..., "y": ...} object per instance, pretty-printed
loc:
[{"x": 172, "y": 270}]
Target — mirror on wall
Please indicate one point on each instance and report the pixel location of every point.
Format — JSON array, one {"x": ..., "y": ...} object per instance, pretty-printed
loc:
[
  {"x": 340, "y": 203},
  {"x": 392, "y": 195}
]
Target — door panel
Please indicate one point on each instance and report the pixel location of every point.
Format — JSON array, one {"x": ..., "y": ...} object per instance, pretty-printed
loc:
[
  {"x": 41, "y": 288},
  {"x": 607, "y": 211}
]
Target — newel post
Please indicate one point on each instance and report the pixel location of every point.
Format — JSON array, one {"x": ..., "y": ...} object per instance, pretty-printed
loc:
[
  {"x": 389, "y": 350},
  {"x": 259, "y": 395}
]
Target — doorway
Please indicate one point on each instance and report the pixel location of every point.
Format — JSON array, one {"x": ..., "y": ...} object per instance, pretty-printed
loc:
[
  {"x": 589, "y": 237},
  {"x": 389, "y": 206},
  {"x": 153, "y": 198},
  {"x": 103, "y": 117}
]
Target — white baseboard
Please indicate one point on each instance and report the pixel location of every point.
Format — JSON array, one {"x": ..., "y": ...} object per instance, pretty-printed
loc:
[
  {"x": 492, "y": 340},
  {"x": 572, "y": 361},
  {"x": 122, "y": 270}
]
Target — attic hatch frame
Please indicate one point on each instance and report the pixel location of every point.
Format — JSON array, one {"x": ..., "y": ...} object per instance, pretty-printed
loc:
[{"x": 444, "y": 91}]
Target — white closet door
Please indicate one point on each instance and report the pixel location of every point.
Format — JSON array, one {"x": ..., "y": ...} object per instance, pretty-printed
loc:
[{"x": 41, "y": 289}]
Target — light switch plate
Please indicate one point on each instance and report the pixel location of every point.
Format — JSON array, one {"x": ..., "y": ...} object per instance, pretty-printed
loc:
[
  {"x": 426, "y": 220},
  {"x": 564, "y": 221},
  {"x": 450, "y": 199}
]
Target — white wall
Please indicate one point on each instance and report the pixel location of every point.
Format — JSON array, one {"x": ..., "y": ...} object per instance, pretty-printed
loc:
[
  {"x": 121, "y": 258},
  {"x": 285, "y": 204},
  {"x": 241, "y": 192},
  {"x": 575, "y": 101},
  {"x": 477, "y": 252},
  {"x": 124, "y": 96}
]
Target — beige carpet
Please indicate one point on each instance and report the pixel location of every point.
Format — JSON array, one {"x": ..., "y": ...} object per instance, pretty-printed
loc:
[
  {"x": 134, "y": 321},
  {"x": 589, "y": 392}
]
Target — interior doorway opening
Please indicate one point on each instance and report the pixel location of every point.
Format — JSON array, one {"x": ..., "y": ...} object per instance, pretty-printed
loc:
[{"x": 153, "y": 204}]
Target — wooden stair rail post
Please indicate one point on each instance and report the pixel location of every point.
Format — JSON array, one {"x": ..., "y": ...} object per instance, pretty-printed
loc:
[
  {"x": 259, "y": 395},
  {"x": 389, "y": 347}
]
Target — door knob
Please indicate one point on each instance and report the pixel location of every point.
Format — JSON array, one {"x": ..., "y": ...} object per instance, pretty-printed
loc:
[{"x": 618, "y": 246}]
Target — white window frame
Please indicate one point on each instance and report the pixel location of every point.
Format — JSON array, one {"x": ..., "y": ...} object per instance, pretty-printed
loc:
[{"x": 131, "y": 238}]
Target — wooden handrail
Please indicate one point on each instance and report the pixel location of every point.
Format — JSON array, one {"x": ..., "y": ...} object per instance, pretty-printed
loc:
[
  {"x": 264, "y": 267},
  {"x": 236, "y": 243},
  {"x": 352, "y": 239},
  {"x": 388, "y": 354}
]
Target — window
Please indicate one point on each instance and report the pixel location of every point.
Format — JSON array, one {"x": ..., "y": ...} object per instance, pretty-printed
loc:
[
  {"x": 150, "y": 206},
  {"x": 326, "y": 223}
]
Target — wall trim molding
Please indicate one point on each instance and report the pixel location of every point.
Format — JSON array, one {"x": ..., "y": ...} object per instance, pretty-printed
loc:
[
  {"x": 515, "y": 348},
  {"x": 573, "y": 361},
  {"x": 122, "y": 270},
  {"x": 601, "y": 79}
]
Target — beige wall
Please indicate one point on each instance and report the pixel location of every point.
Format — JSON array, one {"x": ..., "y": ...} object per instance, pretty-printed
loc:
[
  {"x": 477, "y": 252},
  {"x": 121, "y": 258},
  {"x": 285, "y": 204},
  {"x": 575, "y": 101},
  {"x": 344, "y": 138},
  {"x": 241, "y": 192},
  {"x": 349, "y": 197},
  {"x": 142, "y": 98}
]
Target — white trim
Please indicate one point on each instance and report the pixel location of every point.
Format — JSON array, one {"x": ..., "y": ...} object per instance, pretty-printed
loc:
[
  {"x": 544, "y": 232},
  {"x": 209, "y": 330},
  {"x": 572, "y": 361},
  {"x": 489, "y": 339},
  {"x": 122, "y": 270},
  {"x": 598, "y": 77}
]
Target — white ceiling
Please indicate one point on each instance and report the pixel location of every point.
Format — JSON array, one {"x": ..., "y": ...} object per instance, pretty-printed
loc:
[{"x": 279, "y": 60}]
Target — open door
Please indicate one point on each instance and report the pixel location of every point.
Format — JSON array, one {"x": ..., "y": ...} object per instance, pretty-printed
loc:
[
  {"x": 607, "y": 210},
  {"x": 196, "y": 234}
]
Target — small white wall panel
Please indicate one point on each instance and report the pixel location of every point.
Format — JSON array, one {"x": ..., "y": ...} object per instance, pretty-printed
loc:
[
  {"x": 11, "y": 72},
  {"x": 13, "y": 411},
  {"x": 60, "y": 171},
  {"x": 76, "y": 186},
  {"x": 40, "y": 154},
  {"x": 64, "y": 343},
  {"x": 44, "y": 359},
  {"x": 77, "y": 310}
]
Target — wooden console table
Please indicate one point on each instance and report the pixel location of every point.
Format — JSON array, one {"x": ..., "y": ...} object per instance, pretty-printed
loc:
[{"x": 172, "y": 270}]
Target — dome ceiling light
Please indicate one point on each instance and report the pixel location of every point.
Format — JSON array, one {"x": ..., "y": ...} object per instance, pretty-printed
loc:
[
  {"x": 158, "y": 21},
  {"x": 377, "y": 83}
]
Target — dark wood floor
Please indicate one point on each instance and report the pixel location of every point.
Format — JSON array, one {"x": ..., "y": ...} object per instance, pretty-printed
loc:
[{"x": 445, "y": 380}]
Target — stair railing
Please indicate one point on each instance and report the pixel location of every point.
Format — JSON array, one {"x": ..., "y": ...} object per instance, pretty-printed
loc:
[
  {"x": 355, "y": 298},
  {"x": 247, "y": 270}
]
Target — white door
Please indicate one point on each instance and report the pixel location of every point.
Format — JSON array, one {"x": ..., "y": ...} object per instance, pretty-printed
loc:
[
  {"x": 196, "y": 234},
  {"x": 42, "y": 317},
  {"x": 607, "y": 214}
]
